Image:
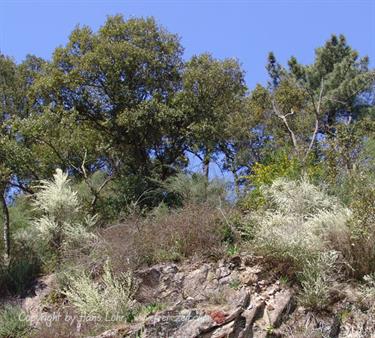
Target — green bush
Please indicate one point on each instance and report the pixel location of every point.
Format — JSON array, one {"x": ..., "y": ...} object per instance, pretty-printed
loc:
[
  {"x": 13, "y": 322},
  {"x": 184, "y": 189},
  {"x": 18, "y": 276}
]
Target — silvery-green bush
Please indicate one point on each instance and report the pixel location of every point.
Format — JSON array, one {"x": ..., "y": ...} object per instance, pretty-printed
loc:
[
  {"x": 105, "y": 297},
  {"x": 296, "y": 225},
  {"x": 297, "y": 220},
  {"x": 62, "y": 225}
]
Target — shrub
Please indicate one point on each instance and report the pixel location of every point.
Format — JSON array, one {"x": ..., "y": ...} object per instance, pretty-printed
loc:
[
  {"x": 109, "y": 296},
  {"x": 315, "y": 279},
  {"x": 167, "y": 235},
  {"x": 18, "y": 276},
  {"x": 296, "y": 221},
  {"x": 357, "y": 240},
  {"x": 13, "y": 322},
  {"x": 194, "y": 189},
  {"x": 61, "y": 227},
  {"x": 278, "y": 165},
  {"x": 56, "y": 198},
  {"x": 192, "y": 230}
]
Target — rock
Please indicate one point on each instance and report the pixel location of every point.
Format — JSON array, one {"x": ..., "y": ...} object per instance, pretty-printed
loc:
[
  {"x": 33, "y": 305},
  {"x": 194, "y": 328},
  {"x": 272, "y": 289},
  {"x": 248, "y": 277},
  {"x": 241, "y": 298},
  {"x": 224, "y": 331},
  {"x": 251, "y": 315},
  {"x": 222, "y": 272},
  {"x": 282, "y": 304},
  {"x": 235, "y": 262}
]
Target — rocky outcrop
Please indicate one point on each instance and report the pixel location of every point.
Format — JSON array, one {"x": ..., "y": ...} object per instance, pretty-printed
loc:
[{"x": 230, "y": 298}]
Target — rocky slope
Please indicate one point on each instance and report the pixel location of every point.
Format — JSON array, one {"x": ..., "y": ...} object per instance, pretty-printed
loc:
[{"x": 237, "y": 297}]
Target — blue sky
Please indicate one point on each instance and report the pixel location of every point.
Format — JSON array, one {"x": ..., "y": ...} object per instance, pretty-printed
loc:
[{"x": 245, "y": 29}]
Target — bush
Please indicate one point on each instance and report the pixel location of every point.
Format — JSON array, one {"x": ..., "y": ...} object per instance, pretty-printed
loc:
[
  {"x": 357, "y": 240},
  {"x": 167, "y": 235},
  {"x": 315, "y": 279},
  {"x": 278, "y": 165},
  {"x": 13, "y": 322},
  {"x": 19, "y": 275},
  {"x": 296, "y": 220},
  {"x": 192, "y": 230},
  {"x": 194, "y": 189},
  {"x": 62, "y": 227},
  {"x": 107, "y": 297}
]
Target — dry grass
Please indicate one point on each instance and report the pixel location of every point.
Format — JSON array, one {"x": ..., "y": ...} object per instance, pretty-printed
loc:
[{"x": 195, "y": 230}]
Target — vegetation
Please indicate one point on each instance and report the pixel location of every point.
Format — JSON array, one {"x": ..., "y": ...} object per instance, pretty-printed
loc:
[
  {"x": 13, "y": 322},
  {"x": 117, "y": 116}
]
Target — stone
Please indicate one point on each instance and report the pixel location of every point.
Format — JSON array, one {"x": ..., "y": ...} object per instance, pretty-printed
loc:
[
  {"x": 235, "y": 262},
  {"x": 224, "y": 331},
  {"x": 282, "y": 304},
  {"x": 247, "y": 277},
  {"x": 254, "y": 312},
  {"x": 193, "y": 328},
  {"x": 241, "y": 298}
]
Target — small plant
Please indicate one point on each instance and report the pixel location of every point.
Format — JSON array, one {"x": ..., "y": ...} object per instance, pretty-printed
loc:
[
  {"x": 270, "y": 329},
  {"x": 13, "y": 322},
  {"x": 235, "y": 284},
  {"x": 284, "y": 280},
  {"x": 153, "y": 308},
  {"x": 233, "y": 250},
  {"x": 315, "y": 281}
]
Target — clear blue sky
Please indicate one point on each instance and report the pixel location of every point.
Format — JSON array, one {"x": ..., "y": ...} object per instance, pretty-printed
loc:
[{"x": 246, "y": 29}]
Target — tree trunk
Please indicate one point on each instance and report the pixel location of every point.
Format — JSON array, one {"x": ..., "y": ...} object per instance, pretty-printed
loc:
[
  {"x": 236, "y": 184},
  {"x": 6, "y": 231},
  {"x": 206, "y": 166}
]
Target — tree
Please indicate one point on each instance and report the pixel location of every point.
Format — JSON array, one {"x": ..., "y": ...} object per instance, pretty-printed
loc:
[
  {"x": 305, "y": 102},
  {"x": 212, "y": 94},
  {"x": 120, "y": 82}
]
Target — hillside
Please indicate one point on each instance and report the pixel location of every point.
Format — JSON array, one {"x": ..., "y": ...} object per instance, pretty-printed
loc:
[{"x": 114, "y": 223}]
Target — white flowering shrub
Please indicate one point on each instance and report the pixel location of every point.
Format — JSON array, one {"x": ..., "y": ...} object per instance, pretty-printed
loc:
[
  {"x": 62, "y": 225},
  {"x": 297, "y": 225},
  {"x": 107, "y": 296},
  {"x": 56, "y": 198},
  {"x": 298, "y": 219}
]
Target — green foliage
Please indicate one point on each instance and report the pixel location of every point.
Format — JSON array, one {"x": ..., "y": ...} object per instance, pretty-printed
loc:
[
  {"x": 315, "y": 279},
  {"x": 13, "y": 322},
  {"x": 19, "y": 275},
  {"x": 21, "y": 213},
  {"x": 194, "y": 189},
  {"x": 153, "y": 308},
  {"x": 280, "y": 165},
  {"x": 235, "y": 284},
  {"x": 212, "y": 95}
]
